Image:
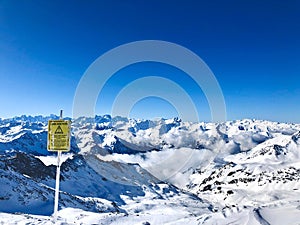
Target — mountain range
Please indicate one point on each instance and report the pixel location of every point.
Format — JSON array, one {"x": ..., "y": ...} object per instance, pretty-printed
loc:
[{"x": 164, "y": 171}]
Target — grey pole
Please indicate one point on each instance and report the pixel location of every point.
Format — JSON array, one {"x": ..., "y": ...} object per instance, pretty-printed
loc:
[{"x": 57, "y": 178}]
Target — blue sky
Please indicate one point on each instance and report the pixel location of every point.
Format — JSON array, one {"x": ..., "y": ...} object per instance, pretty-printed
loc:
[{"x": 252, "y": 47}]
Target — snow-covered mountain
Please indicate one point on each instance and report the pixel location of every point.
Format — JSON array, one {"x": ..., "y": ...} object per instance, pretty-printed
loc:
[{"x": 127, "y": 171}]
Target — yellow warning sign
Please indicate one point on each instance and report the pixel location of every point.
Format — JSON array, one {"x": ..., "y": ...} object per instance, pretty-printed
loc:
[{"x": 59, "y": 135}]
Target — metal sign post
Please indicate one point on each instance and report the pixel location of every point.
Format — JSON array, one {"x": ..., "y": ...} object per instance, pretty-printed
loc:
[
  {"x": 57, "y": 185},
  {"x": 58, "y": 140}
]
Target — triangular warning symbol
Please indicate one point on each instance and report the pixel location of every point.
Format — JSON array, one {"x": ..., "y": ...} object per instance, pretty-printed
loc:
[{"x": 58, "y": 130}]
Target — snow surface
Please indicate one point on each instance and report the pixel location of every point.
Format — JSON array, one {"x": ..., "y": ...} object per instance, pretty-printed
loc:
[{"x": 52, "y": 160}]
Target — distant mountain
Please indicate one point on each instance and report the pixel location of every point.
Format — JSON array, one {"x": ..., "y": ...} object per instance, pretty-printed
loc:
[{"x": 201, "y": 172}]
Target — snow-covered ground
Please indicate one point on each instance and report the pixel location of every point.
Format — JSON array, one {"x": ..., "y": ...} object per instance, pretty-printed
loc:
[
  {"x": 126, "y": 171},
  {"x": 169, "y": 215}
]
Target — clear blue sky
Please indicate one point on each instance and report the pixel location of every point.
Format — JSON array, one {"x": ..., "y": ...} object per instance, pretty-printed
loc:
[{"x": 252, "y": 47}]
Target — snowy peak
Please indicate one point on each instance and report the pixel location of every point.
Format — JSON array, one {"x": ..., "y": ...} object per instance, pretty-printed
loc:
[
  {"x": 268, "y": 172},
  {"x": 281, "y": 149}
]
